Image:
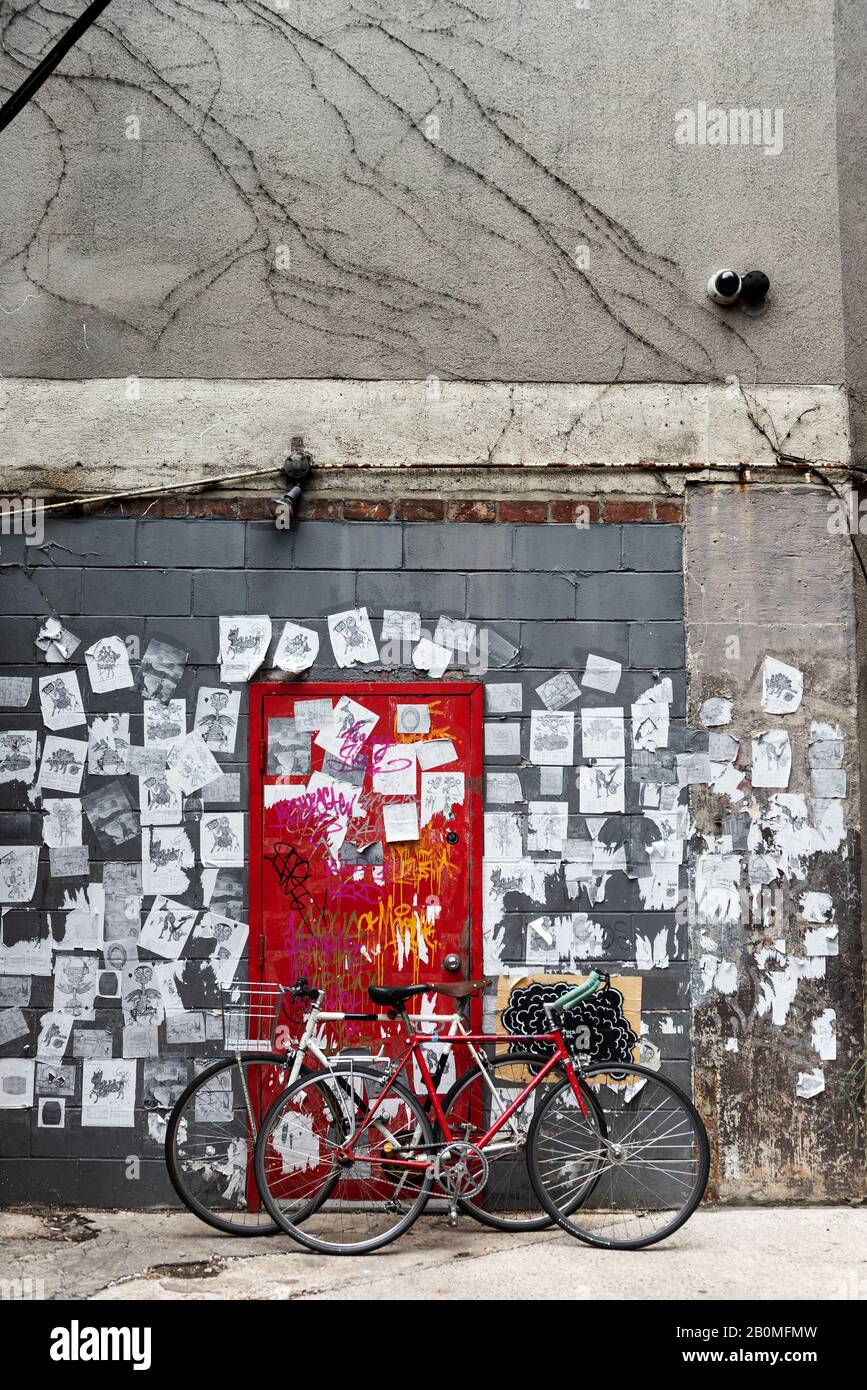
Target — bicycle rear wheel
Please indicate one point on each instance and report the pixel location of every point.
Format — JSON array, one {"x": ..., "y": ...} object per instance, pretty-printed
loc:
[
  {"x": 210, "y": 1139},
  {"x": 636, "y": 1184},
  {"x": 508, "y": 1201},
  {"x": 349, "y": 1206}
]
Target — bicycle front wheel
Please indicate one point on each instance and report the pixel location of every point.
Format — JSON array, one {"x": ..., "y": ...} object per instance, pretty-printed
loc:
[
  {"x": 210, "y": 1139},
  {"x": 353, "y": 1194},
  {"x": 637, "y": 1183}
]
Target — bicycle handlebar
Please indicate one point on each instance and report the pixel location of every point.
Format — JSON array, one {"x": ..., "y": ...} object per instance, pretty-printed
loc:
[{"x": 574, "y": 996}]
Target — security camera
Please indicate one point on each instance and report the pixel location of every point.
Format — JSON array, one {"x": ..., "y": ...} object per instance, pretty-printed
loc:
[
  {"x": 724, "y": 286},
  {"x": 754, "y": 286}
]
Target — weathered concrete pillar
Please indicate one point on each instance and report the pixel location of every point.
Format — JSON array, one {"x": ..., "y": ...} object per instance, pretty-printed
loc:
[{"x": 772, "y": 983}]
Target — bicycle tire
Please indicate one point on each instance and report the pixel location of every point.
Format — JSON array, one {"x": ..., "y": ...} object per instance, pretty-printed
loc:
[
  {"x": 323, "y": 1081},
  {"x": 564, "y": 1217},
  {"x": 175, "y": 1162}
]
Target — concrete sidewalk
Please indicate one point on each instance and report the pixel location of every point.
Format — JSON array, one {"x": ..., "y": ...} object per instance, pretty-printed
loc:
[{"x": 730, "y": 1253}]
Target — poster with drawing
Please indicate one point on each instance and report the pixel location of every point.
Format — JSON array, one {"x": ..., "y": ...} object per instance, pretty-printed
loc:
[
  {"x": 76, "y": 978},
  {"x": 62, "y": 765},
  {"x": 552, "y": 735},
  {"x": 61, "y": 821},
  {"x": 351, "y": 727},
  {"x": 782, "y": 687},
  {"x": 557, "y": 692},
  {"x": 601, "y": 787},
  {"x": 108, "y": 1092},
  {"x": 60, "y": 698},
  {"x": 288, "y": 747},
  {"x": 54, "y": 1031},
  {"x": 229, "y": 940},
  {"x": 164, "y": 724},
  {"x": 772, "y": 759},
  {"x": 216, "y": 718},
  {"x": 108, "y": 666},
  {"x": 17, "y": 1076},
  {"x": 111, "y": 814},
  {"x": 412, "y": 719},
  {"x": 166, "y": 927},
  {"x": 297, "y": 649},
  {"x": 222, "y": 839},
  {"x": 167, "y": 855},
  {"x": 160, "y": 670},
  {"x": 602, "y": 733},
  {"x": 394, "y": 769},
  {"x": 160, "y": 800},
  {"x": 19, "y": 868},
  {"x": 352, "y": 639},
  {"x": 190, "y": 764},
  {"x": 18, "y": 756},
  {"x": 601, "y": 673},
  {"x": 650, "y": 725},
  {"x": 108, "y": 746},
  {"x": 141, "y": 994},
  {"x": 440, "y": 792},
  {"x": 244, "y": 643}
]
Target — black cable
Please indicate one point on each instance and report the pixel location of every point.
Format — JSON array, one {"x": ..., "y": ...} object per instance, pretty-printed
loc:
[{"x": 30, "y": 86}]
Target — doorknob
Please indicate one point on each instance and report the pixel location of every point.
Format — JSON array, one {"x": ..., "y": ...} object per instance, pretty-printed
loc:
[
  {"x": 452, "y": 837},
  {"x": 452, "y": 962}
]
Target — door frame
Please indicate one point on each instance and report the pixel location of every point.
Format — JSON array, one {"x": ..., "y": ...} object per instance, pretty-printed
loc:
[{"x": 260, "y": 691}]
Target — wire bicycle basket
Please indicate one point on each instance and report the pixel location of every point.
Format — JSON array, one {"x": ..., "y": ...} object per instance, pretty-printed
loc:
[{"x": 251, "y": 1016}]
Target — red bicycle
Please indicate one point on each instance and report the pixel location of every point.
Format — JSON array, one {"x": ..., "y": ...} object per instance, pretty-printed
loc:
[{"x": 348, "y": 1157}]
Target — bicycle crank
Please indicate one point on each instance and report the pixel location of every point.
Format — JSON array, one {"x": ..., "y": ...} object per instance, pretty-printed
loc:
[{"x": 461, "y": 1169}]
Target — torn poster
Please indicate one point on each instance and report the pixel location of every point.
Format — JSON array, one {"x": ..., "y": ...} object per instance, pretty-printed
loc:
[
  {"x": 693, "y": 769},
  {"x": 436, "y": 752},
  {"x": 160, "y": 800},
  {"x": 601, "y": 674},
  {"x": 190, "y": 764},
  {"x": 56, "y": 641},
  {"x": 816, "y": 907},
  {"x": 216, "y": 717},
  {"x": 297, "y": 649},
  {"x": 91, "y": 1042},
  {"x": 141, "y": 1040},
  {"x": 429, "y": 656},
  {"x": 601, "y": 787},
  {"x": 400, "y": 630},
  {"x": 122, "y": 887},
  {"x": 160, "y": 670},
  {"x": 61, "y": 821},
  {"x": 394, "y": 769},
  {"x": 651, "y": 951},
  {"x": 288, "y": 748},
  {"x": 108, "y": 666},
  {"x": 826, "y": 753},
  {"x": 164, "y": 724},
  {"x": 552, "y": 736},
  {"x": 810, "y": 1083},
  {"x": 166, "y": 928},
  {"x": 400, "y": 819},
  {"x": 60, "y": 698},
  {"x": 440, "y": 791},
  {"x": 78, "y": 924},
  {"x": 503, "y": 788},
  {"x": 111, "y": 814},
  {"x": 726, "y": 780},
  {"x": 13, "y": 1025},
  {"x": 650, "y": 725},
  {"x": 108, "y": 1093},
  {"x": 602, "y": 734},
  {"x": 722, "y": 748},
  {"x": 75, "y": 983},
  {"x": 456, "y": 635},
  {"x": 54, "y": 1031},
  {"x": 19, "y": 868},
  {"x": 54, "y": 1079},
  {"x": 230, "y": 938},
  {"x": 18, "y": 756},
  {"x": 226, "y": 787},
  {"x": 550, "y": 781},
  {"x": 547, "y": 826},
  {"x": 222, "y": 839},
  {"x": 502, "y": 740},
  {"x": 716, "y": 711},
  {"x": 557, "y": 692},
  {"x": 503, "y": 839},
  {"x": 827, "y": 781},
  {"x": 352, "y": 637},
  {"x": 166, "y": 855},
  {"x": 17, "y": 1076},
  {"x": 15, "y": 691},
  {"x": 108, "y": 746},
  {"x": 824, "y": 1034},
  {"x": 772, "y": 759},
  {"x": 412, "y": 719},
  {"x": 244, "y": 645},
  {"x": 660, "y": 694},
  {"x": 782, "y": 687},
  {"x": 500, "y": 651}
]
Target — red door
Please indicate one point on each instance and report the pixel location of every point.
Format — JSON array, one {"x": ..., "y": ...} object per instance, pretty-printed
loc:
[{"x": 365, "y": 837}]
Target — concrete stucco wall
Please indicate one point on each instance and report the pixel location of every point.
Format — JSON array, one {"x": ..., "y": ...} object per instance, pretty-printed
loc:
[{"x": 285, "y": 210}]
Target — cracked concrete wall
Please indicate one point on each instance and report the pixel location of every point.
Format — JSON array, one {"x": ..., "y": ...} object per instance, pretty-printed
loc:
[
  {"x": 765, "y": 576},
  {"x": 388, "y": 190}
]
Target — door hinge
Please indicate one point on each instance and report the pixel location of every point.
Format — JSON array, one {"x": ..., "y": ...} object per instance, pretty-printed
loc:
[{"x": 262, "y": 756}]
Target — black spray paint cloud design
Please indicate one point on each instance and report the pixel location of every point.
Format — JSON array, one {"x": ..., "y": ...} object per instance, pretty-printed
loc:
[{"x": 611, "y": 1037}]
